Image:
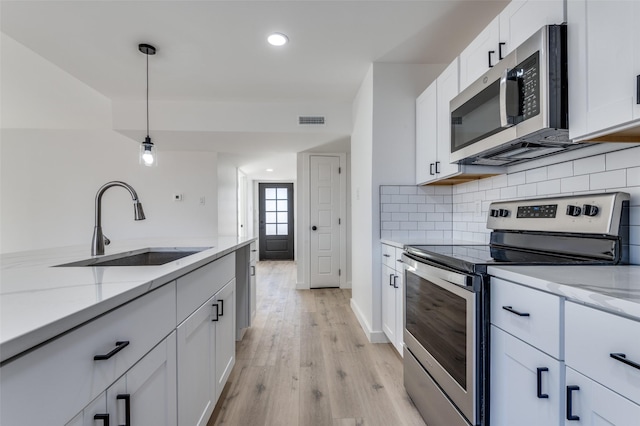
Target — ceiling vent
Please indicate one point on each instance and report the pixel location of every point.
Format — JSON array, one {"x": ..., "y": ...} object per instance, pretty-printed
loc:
[{"x": 311, "y": 120}]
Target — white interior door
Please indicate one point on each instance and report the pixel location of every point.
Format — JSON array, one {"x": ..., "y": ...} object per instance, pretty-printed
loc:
[{"x": 325, "y": 221}]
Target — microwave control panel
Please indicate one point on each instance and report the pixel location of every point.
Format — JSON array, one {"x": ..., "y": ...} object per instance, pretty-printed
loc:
[{"x": 529, "y": 76}]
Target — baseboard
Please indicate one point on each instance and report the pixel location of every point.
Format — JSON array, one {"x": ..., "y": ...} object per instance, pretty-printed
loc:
[
  {"x": 372, "y": 336},
  {"x": 346, "y": 285}
]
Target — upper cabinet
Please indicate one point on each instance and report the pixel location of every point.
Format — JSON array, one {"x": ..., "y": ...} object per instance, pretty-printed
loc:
[
  {"x": 604, "y": 67},
  {"x": 517, "y": 22},
  {"x": 433, "y": 134}
]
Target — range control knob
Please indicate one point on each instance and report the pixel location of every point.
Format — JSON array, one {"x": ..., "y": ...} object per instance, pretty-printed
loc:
[
  {"x": 590, "y": 210},
  {"x": 493, "y": 213},
  {"x": 503, "y": 212},
  {"x": 573, "y": 210}
]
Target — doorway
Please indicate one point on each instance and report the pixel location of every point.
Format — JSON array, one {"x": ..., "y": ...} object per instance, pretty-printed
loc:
[{"x": 275, "y": 221}]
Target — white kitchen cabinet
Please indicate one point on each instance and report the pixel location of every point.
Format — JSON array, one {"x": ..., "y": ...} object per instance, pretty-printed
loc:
[
  {"x": 148, "y": 390},
  {"x": 253, "y": 301},
  {"x": 526, "y": 384},
  {"x": 448, "y": 88},
  {"x": 392, "y": 281},
  {"x": 517, "y": 22},
  {"x": 225, "y": 323},
  {"x": 87, "y": 417},
  {"x": 426, "y": 135},
  {"x": 604, "y": 66},
  {"x": 594, "y": 404},
  {"x": 206, "y": 354}
]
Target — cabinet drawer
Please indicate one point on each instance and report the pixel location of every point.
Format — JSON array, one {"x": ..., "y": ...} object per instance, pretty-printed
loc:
[
  {"x": 528, "y": 314},
  {"x": 592, "y": 336},
  {"x": 398, "y": 265},
  {"x": 389, "y": 256},
  {"x": 53, "y": 383},
  {"x": 253, "y": 251},
  {"x": 203, "y": 283}
]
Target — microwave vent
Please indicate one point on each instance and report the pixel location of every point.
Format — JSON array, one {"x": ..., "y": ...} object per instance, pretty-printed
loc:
[{"x": 311, "y": 120}]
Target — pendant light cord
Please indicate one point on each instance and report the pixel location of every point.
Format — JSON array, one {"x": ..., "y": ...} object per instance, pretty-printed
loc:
[{"x": 147, "y": 95}]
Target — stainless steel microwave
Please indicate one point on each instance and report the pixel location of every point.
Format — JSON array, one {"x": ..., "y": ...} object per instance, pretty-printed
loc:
[{"x": 518, "y": 110}]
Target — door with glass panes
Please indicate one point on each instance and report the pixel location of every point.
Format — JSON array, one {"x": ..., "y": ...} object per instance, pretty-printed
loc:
[{"x": 276, "y": 221}]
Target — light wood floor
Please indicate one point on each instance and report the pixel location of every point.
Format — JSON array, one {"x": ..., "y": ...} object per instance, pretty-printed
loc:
[{"x": 307, "y": 362}]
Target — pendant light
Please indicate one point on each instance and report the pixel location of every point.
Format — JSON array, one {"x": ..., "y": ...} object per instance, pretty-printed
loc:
[{"x": 148, "y": 151}]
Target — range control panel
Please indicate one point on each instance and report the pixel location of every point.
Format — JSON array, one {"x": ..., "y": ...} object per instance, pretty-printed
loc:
[{"x": 592, "y": 213}]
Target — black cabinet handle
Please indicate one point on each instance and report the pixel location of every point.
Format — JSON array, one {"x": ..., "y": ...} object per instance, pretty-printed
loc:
[
  {"x": 540, "y": 394},
  {"x": 570, "y": 390},
  {"x": 513, "y": 311},
  {"x": 391, "y": 280},
  {"x": 638, "y": 89},
  {"x": 253, "y": 251},
  {"x": 400, "y": 260},
  {"x": 623, "y": 358},
  {"x": 437, "y": 167},
  {"x": 221, "y": 302},
  {"x": 386, "y": 255},
  {"x": 253, "y": 270},
  {"x": 500, "y": 57},
  {"x": 395, "y": 282},
  {"x": 103, "y": 417},
  {"x": 215, "y": 305},
  {"x": 489, "y": 56},
  {"x": 431, "y": 169},
  {"x": 119, "y": 346},
  {"x": 127, "y": 408}
]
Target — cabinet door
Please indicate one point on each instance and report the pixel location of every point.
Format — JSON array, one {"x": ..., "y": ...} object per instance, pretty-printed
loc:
[
  {"x": 87, "y": 416},
  {"x": 604, "y": 62},
  {"x": 474, "y": 60},
  {"x": 399, "y": 293},
  {"x": 448, "y": 87},
  {"x": 593, "y": 404},
  {"x": 518, "y": 386},
  {"x": 388, "y": 304},
  {"x": 196, "y": 366},
  {"x": 148, "y": 389},
  {"x": 426, "y": 135},
  {"x": 252, "y": 292},
  {"x": 225, "y": 355},
  {"x": 522, "y": 18}
]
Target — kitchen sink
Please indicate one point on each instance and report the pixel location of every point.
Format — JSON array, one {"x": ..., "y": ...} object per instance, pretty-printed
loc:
[{"x": 143, "y": 257}]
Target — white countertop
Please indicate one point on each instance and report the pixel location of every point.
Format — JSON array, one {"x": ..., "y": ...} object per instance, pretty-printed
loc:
[
  {"x": 615, "y": 289},
  {"x": 39, "y": 302}
]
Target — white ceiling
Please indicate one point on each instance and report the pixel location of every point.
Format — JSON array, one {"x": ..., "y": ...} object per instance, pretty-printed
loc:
[{"x": 217, "y": 50}]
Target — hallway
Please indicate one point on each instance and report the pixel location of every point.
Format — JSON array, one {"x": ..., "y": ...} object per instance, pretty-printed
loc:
[{"x": 307, "y": 362}]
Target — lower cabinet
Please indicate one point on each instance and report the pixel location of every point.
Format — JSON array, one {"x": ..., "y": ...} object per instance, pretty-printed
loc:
[
  {"x": 206, "y": 355},
  {"x": 526, "y": 384},
  {"x": 92, "y": 413},
  {"x": 392, "y": 280}
]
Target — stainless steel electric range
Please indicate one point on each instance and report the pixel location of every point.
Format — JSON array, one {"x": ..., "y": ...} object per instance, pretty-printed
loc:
[{"x": 446, "y": 366}]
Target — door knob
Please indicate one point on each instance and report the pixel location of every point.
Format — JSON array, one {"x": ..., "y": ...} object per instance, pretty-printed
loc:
[{"x": 314, "y": 228}]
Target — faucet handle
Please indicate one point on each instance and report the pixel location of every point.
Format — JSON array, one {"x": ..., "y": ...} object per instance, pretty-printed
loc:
[{"x": 106, "y": 240}]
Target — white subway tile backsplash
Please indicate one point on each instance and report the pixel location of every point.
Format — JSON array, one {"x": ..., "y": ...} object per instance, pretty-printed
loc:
[
  {"x": 388, "y": 189},
  {"x": 588, "y": 165},
  {"x": 623, "y": 159},
  {"x": 435, "y": 217},
  {"x": 499, "y": 181},
  {"x": 516, "y": 178},
  {"x": 468, "y": 197},
  {"x": 426, "y": 190},
  {"x": 573, "y": 184},
  {"x": 610, "y": 179},
  {"x": 445, "y": 226},
  {"x": 484, "y": 184},
  {"x": 492, "y": 195},
  {"x": 562, "y": 170},
  {"x": 536, "y": 175},
  {"x": 384, "y": 199},
  {"x": 399, "y": 217},
  {"x": 444, "y": 208},
  {"x": 391, "y": 208},
  {"x": 408, "y": 226},
  {"x": 400, "y": 199},
  {"x": 409, "y": 208},
  {"x": 408, "y": 190},
  {"x": 417, "y": 217},
  {"x": 426, "y": 208},
  {"x": 633, "y": 176},
  {"x": 548, "y": 187},
  {"x": 390, "y": 225},
  {"x": 426, "y": 226},
  {"x": 443, "y": 190},
  {"x": 385, "y": 217},
  {"x": 417, "y": 199},
  {"x": 508, "y": 193},
  {"x": 528, "y": 190}
]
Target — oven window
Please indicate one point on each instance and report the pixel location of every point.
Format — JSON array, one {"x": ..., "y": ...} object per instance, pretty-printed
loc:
[{"x": 437, "y": 318}]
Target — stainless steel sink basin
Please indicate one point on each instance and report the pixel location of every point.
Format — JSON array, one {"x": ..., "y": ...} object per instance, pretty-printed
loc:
[{"x": 143, "y": 257}]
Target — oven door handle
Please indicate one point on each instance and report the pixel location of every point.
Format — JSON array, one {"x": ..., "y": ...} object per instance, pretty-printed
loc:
[
  {"x": 504, "y": 86},
  {"x": 426, "y": 270}
]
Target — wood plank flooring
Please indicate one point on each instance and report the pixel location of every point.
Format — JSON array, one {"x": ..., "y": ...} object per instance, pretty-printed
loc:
[{"x": 307, "y": 362}]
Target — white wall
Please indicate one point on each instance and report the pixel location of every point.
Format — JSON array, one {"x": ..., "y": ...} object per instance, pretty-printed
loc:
[
  {"x": 227, "y": 197},
  {"x": 57, "y": 149},
  {"x": 383, "y": 151}
]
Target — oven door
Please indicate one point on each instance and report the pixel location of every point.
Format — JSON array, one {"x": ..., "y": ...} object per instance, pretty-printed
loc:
[{"x": 442, "y": 330}]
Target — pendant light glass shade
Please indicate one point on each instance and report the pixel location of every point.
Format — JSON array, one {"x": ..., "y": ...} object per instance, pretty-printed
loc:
[{"x": 148, "y": 151}]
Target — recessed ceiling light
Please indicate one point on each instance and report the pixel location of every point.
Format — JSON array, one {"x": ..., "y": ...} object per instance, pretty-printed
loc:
[
  {"x": 269, "y": 170},
  {"x": 277, "y": 39}
]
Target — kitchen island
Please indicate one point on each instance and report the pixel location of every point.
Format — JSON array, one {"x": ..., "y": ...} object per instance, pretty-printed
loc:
[{"x": 83, "y": 343}]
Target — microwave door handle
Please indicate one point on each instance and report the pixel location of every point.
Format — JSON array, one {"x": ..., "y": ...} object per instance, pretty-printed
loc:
[{"x": 504, "y": 118}]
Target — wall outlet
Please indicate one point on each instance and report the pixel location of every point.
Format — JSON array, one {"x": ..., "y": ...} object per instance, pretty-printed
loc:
[
  {"x": 177, "y": 197},
  {"x": 202, "y": 201}
]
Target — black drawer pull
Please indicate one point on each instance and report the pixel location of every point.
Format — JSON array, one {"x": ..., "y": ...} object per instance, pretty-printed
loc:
[
  {"x": 221, "y": 302},
  {"x": 513, "y": 311},
  {"x": 103, "y": 417},
  {"x": 431, "y": 169},
  {"x": 540, "y": 394},
  {"x": 623, "y": 358},
  {"x": 386, "y": 255},
  {"x": 400, "y": 260},
  {"x": 127, "y": 408},
  {"x": 638, "y": 89},
  {"x": 437, "y": 167},
  {"x": 119, "y": 346},
  {"x": 391, "y": 280},
  {"x": 489, "y": 56},
  {"x": 570, "y": 390},
  {"x": 217, "y": 317},
  {"x": 395, "y": 282},
  {"x": 253, "y": 270},
  {"x": 500, "y": 56}
]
